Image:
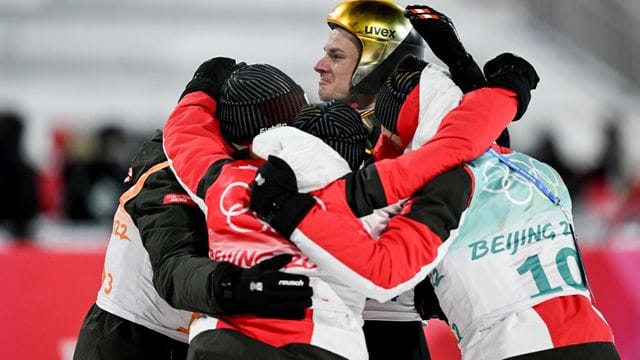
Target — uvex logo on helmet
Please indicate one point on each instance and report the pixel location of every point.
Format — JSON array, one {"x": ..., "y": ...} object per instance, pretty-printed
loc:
[{"x": 374, "y": 30}]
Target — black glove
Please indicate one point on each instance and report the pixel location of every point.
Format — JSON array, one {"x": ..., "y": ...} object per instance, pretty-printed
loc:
[
  {"x": 426, "y": 301},
  {"x": 262, "y": 290},
  {"x": 514, "y": 73},
  {"x": 275, "y": 196},
  {"x": 210, "y": 76},
  {"x": 441, "y": 36}
]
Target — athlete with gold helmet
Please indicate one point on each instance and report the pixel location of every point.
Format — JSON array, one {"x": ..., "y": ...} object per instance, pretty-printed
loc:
[
  {"x": 518, "y": 326},
  {"x": 368, "y": 40}
]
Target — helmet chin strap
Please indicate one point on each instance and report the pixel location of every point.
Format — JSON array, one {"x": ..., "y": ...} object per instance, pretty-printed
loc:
[
  {"x": 357, "y": 99},
  {"x": 361, "y": 101}
]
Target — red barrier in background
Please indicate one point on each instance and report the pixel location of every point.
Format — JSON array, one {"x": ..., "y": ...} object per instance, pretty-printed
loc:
[
  {"x": 47, "y": 292},
  {"x": 45, "y": 295},
  {"x": 613, "y": 275}
]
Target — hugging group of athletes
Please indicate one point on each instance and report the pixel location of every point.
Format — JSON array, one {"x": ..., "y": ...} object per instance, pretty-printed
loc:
[{"x": 221, "y": 247}]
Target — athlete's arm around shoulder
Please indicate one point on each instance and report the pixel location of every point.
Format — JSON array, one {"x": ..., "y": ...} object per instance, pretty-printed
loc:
[
  {"x": 465, "y": 133},
  {"x": 410, "y": 247},
  {"x": 193, "y": 142}
]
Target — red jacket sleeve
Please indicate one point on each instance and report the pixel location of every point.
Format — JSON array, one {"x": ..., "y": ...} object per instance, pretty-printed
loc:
[
  {"x": 403, "y": 256},
  {"x": 193, "y": 142},
  {"x": 408, "y": 250},
  {"x": 464, "y": 134},
  {"x": 385, "y": 148}
]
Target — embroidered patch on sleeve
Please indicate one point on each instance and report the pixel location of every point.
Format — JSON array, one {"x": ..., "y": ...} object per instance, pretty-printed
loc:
[{"x": 178, "y": 199}]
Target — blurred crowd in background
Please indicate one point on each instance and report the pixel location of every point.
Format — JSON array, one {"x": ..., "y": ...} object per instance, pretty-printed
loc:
[
  {"x": 83, "y": 180},
  {"x": 80, "y": 184}
]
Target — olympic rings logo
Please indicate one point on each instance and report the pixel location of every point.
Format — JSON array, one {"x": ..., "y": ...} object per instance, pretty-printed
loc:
[
  {"x": 518, "y": 190},
  {"x": 231, "y": 206}
]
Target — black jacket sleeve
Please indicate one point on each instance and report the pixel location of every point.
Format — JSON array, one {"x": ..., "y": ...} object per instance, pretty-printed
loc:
[{"x": 175, "y": 237}]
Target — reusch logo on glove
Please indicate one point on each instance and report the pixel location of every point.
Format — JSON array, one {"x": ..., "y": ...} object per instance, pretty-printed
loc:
[
  {"x": 374, "y": 30},
  {"x": 291, "y": 282}
]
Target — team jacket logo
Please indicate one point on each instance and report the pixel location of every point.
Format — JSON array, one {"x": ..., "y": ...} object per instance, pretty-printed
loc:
[
  {"x": 380, "y": 31},
  {"x": 177, "y": 198}
]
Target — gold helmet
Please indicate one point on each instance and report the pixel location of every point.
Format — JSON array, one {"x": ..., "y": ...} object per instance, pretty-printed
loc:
[{"x": 385, "y": 35}]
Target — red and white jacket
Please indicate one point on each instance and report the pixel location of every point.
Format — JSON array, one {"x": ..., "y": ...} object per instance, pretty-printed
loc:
[{"x": 220, "y": 185}]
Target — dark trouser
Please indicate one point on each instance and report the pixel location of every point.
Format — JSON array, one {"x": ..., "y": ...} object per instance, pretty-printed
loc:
[
  {"x": 588, "y": 351},
  {"x": 231, "y": 345},
  {"x": 104, "y": 336},
  {"x": 398, "y": 340}
]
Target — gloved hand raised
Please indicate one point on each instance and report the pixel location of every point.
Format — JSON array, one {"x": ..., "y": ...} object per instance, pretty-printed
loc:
[
  {"x": 441, "y": 36},
  {"x": 263, "y": 290},
  {"x": 275, "y": 196},
  {"x": 210, "y": 76},
  {"x": 514, "y": 73}
]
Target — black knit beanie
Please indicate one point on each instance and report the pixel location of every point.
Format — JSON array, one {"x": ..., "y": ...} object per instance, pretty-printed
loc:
[
  {"x": 339, "y": 126},
  {"x": 257, "y": 97},
  {"x": 395, "y": 89}
]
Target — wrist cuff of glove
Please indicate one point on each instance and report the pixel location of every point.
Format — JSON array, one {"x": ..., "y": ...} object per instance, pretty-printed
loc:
[
  {"x": 292, "y": 213},
  {"x": 519, "y": 86},
  {"x": 467, "y": 74},
  {"x": 200, "y": 84},
  {"x": 222, "y": 280}
]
